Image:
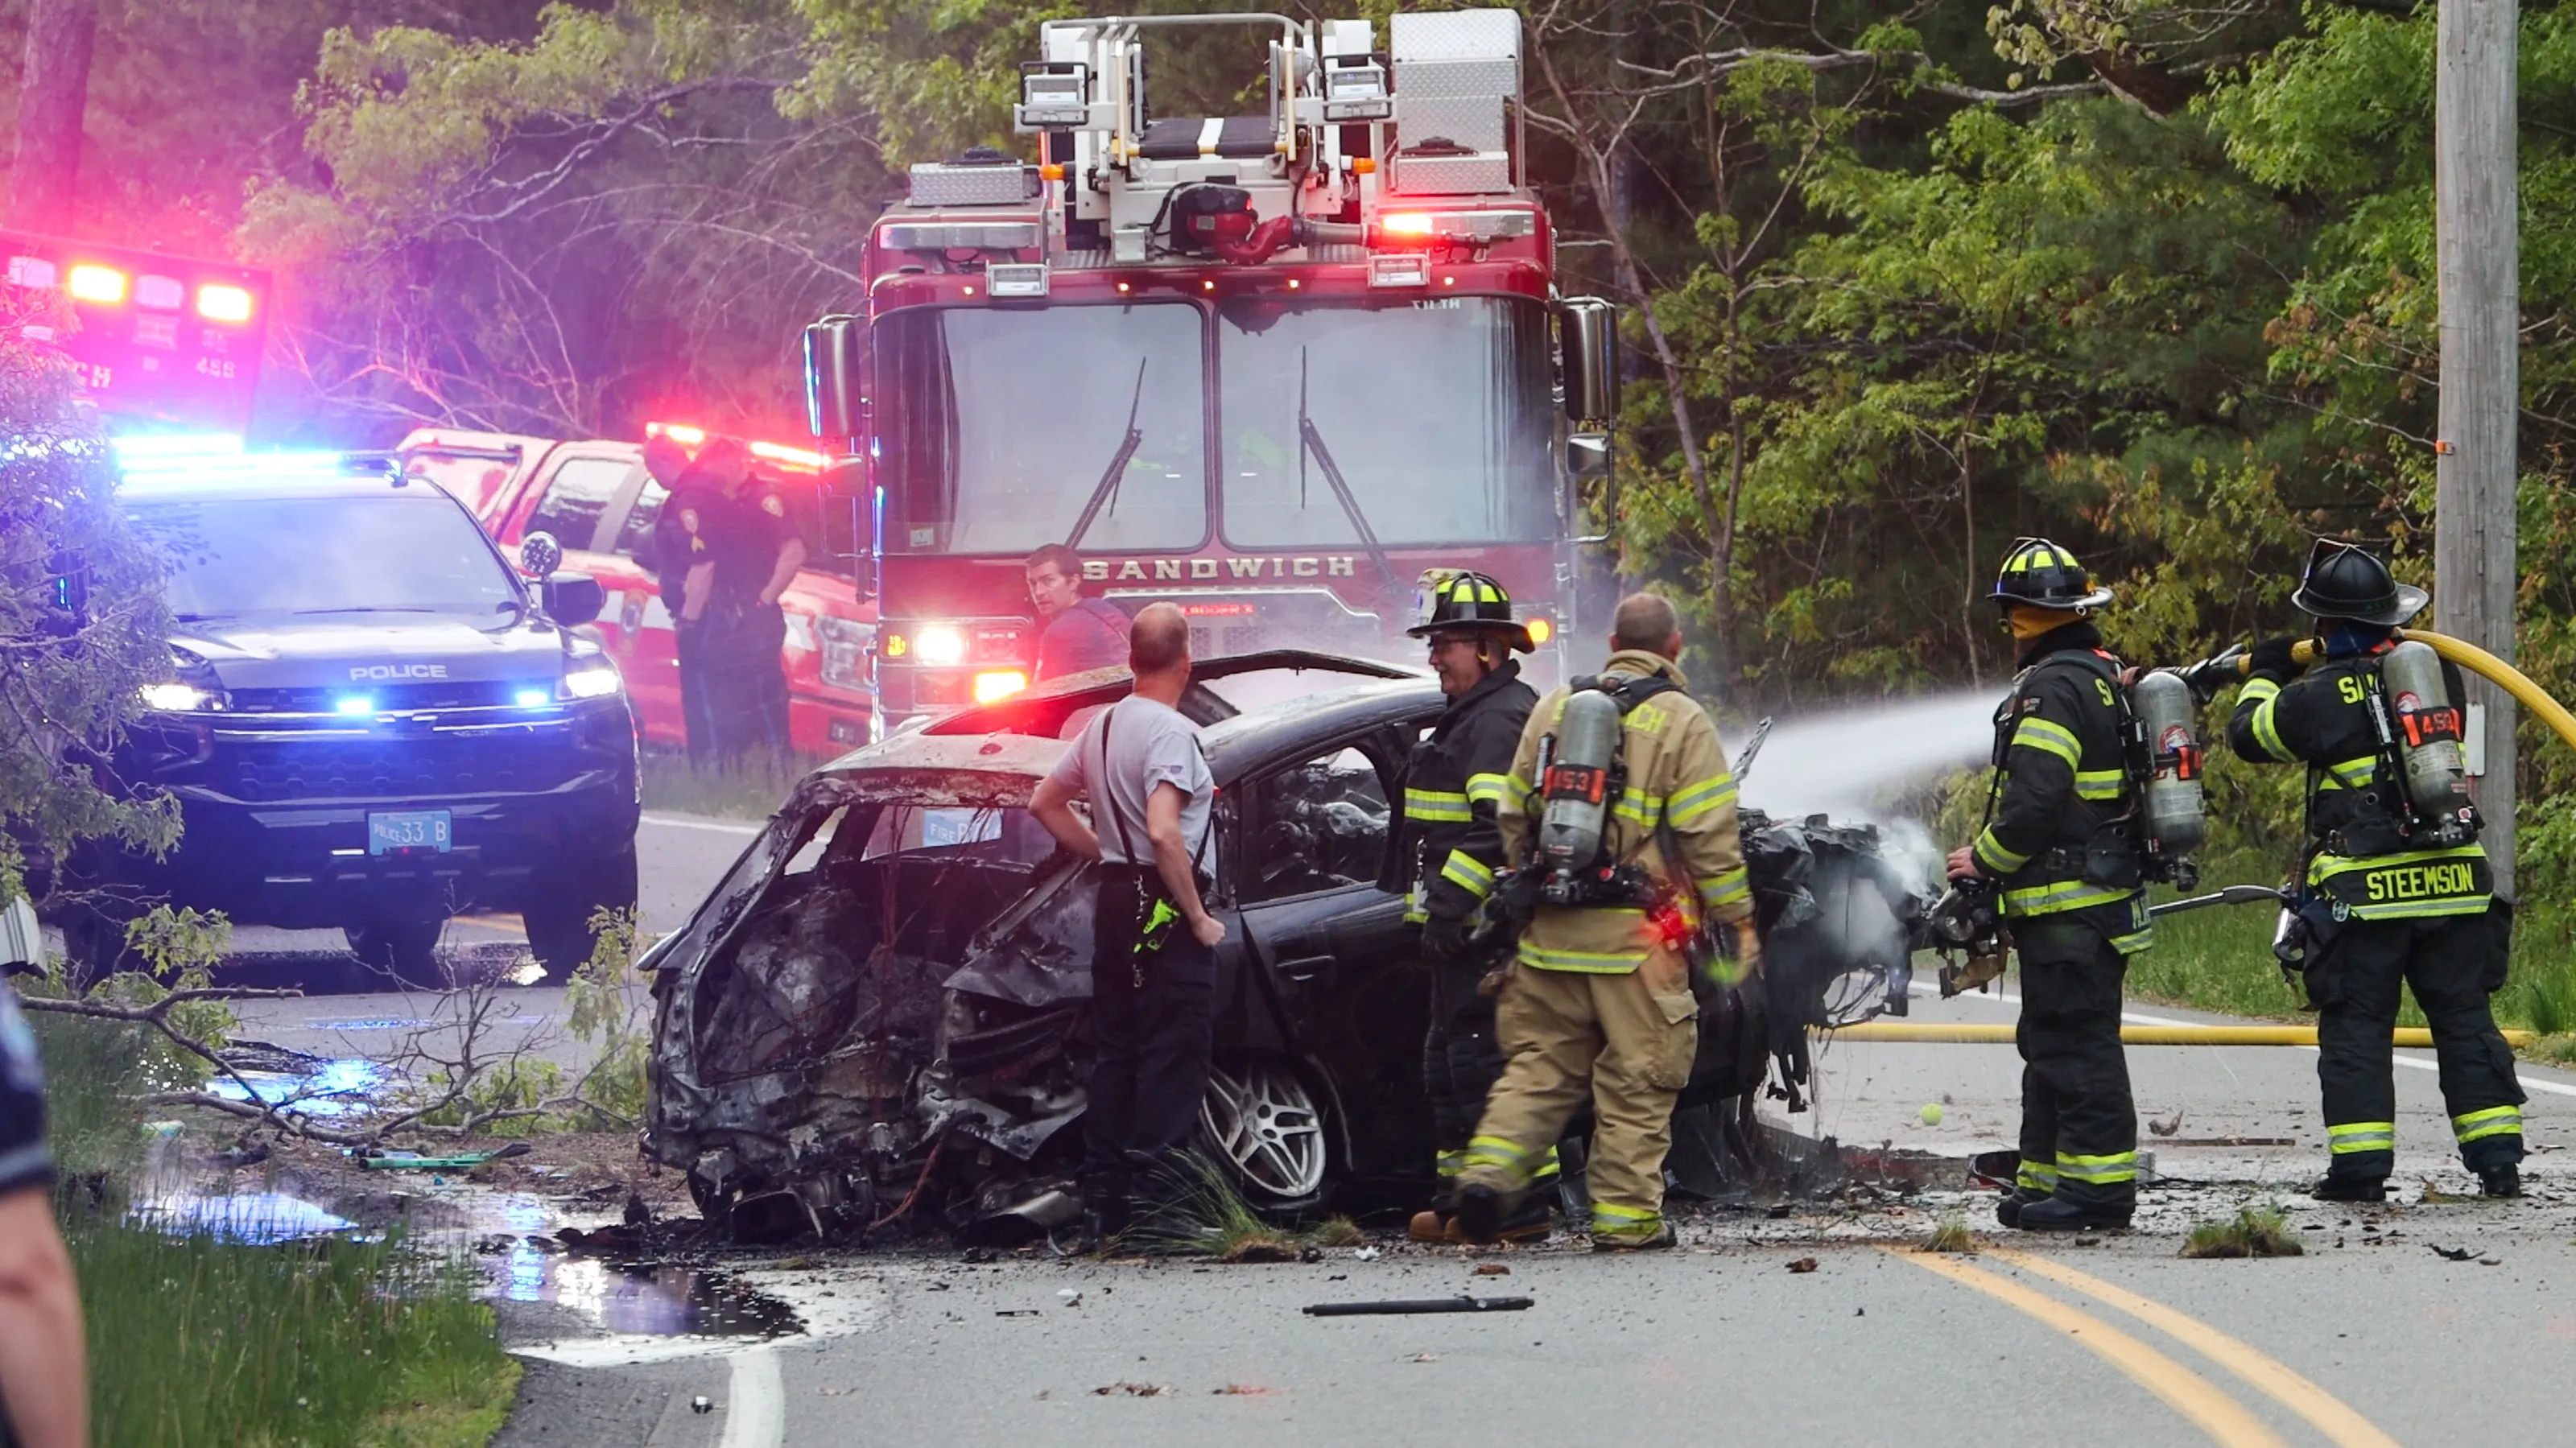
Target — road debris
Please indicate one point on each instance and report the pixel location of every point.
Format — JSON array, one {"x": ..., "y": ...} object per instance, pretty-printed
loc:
[
  {"x": 2452, "y": 1254},
  {"x": 1241, "y": 1390},
  {"x": 376, "y": 1159},
  {"x": 2252, "y": 1232},
  {"x": 1133, "y": 1390},
  {"x": 1491, "y": 1269},
  {"x": 1401, "y": 1306},
  {"x": 1803, "y": 1264}
]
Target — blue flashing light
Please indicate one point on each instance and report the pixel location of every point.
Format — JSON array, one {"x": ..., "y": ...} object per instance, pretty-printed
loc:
[
  {"x": 179, "y": 448},
  {"x": 534, "y": 698},
  {"x": 357, "y": 704}
]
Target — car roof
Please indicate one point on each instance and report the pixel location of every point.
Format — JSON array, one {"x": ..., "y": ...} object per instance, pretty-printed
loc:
[{"x": 944, "y": 764}]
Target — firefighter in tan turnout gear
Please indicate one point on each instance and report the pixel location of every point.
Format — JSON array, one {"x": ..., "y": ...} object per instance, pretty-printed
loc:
[{"x": 1598, "y": 1002}]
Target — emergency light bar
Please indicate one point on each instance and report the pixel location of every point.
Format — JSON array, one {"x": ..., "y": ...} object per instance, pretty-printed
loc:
[
  {"x": 959, "y": 235},
  {"x": 1474, "y": 226},
  {"x": 692, "y": 437}
]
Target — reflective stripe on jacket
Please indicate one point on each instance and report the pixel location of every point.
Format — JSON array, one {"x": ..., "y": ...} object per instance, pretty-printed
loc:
[
  {"x": 2063, "y": 784},
  {"x": 1677, "y": 782},
  {"x": 2360, "y": 861}
]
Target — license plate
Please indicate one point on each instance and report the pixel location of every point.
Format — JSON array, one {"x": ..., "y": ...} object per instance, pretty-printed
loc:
[{"x": 430, "y": 830}]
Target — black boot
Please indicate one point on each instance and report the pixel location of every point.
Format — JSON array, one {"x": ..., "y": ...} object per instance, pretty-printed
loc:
[
  {"x": 2057, "y": 1214},
  {"x": 1480, "y": 1213},
  {"x": 2350, "y": 1189},
  {"x": 2501, "y": 1180},
  {"x": 2008, "y": 1211}
]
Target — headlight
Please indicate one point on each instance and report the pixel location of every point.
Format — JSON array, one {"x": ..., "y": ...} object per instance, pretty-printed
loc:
[
  {"x": 844, "y": 646},
  {"x": 939, "y": 644},
  {"x": 176, "y": 698},
  {"x": 591, "y": 678}
]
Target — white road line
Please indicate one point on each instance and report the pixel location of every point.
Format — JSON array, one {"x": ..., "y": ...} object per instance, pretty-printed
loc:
[
  {"x": 691, "y": 822},
  {"x": 756, "y": 1415},
  {"x": 2522, "y": 1070}
]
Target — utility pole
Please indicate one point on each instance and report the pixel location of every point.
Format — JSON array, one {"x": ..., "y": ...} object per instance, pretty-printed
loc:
[
  {"x": 2477, "y": 239},
  {"x": 53, "y": 93}
]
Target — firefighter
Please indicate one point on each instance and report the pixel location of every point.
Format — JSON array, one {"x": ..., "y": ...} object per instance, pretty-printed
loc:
[
  {"x": 2055, "y": 846},
  {"x": 2372, "y": 914},
  {"x": 1598, "y": 1003},
  {"x": 1451, "y": 790}
]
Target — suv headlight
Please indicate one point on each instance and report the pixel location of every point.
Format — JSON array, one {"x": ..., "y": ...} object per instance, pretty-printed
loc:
[
  {"x": 177, "y": 698},
  {"x": 844, "y": 644},
  {"x": 594, "y": 677}
]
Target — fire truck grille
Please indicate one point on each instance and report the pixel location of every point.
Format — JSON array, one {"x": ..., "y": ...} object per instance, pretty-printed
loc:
[
  {"x": 1239, "y": 624},
  {"x": 389, "y": 768}
]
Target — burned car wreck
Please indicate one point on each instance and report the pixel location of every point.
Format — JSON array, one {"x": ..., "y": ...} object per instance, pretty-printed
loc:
[{"x": 880, "y": 1012}]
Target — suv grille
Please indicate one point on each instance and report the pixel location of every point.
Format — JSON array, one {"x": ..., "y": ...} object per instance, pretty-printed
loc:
[
  {"x": 289, "y": 769},
  {"x": 388, "y": 698}
]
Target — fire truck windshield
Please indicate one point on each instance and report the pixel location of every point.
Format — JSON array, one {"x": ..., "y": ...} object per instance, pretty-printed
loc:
[
  {"x": 996, "y": 426},
  {"x": 1437, "y": 413}
]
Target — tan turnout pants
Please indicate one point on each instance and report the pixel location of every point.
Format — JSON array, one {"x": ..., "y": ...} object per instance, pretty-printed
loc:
[{"x": 1627, "y": 1040}]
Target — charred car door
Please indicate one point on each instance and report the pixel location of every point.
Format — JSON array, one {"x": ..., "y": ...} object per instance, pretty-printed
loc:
[{"x": 1312, "y": 864}]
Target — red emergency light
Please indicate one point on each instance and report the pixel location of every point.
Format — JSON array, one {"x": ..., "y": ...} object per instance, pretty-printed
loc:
[
  {"x": 165, "y": 344},
  {"x": 693, "y": 438}
]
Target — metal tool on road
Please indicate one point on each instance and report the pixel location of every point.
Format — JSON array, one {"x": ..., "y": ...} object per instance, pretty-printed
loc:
[{"x": 1405, "y": 1306}]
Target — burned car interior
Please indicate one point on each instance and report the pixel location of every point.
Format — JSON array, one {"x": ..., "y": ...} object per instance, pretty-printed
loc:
[{"x": 881, "y": 1011}]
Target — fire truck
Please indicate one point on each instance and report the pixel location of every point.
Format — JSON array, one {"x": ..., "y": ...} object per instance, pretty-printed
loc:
[
  {"x": 1270, "y": 367},
  {"x": 165, "y": 344}
]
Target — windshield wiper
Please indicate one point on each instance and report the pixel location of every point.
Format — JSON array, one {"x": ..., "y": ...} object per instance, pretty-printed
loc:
[
  {"x": 1106, "y": 490},
  {"x": 1309, "y": 440}
]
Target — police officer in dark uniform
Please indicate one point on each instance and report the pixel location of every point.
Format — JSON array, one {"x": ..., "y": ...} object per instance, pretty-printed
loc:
[
  {"x": 741, "y": 554},
  {"x": 2443, "y": 933},
  {"x": 1456, "y": 779},
  {"x": 2056, "y": 849}
]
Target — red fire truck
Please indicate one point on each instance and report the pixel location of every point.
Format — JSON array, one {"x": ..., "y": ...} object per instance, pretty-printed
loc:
[
  {"x": 599, "y": 503},
  {"x": 166, "y": 344},
  {"x": 1270, "y": 366}
]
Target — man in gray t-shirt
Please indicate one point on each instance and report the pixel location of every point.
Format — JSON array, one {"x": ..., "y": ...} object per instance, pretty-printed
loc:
[{"x": 1153, "y": 959}]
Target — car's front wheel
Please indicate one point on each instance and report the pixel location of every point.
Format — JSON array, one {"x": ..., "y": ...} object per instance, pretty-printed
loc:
[
  {"x": 1262, "y": 1124},
  {"x": 558, "y": 917}
]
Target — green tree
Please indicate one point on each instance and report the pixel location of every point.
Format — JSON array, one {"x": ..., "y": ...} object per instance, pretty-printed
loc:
[{"x": 82, "y": 628}]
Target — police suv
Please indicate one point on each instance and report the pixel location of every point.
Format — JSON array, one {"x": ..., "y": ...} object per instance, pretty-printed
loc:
[{"x": 371, "y": 721}]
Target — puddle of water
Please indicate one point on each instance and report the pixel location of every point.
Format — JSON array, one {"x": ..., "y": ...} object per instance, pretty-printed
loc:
[
  {"x": 647, "y": 1301},
  {"x": 334, "y": 1088}
]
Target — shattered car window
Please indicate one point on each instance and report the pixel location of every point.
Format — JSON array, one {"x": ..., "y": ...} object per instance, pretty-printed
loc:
[
  {"x": 1000, "y": 835},
  {"x": 1316, "y": 826}
]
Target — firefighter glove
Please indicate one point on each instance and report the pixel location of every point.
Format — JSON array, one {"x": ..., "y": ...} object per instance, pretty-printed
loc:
[
  {"x": 2274, "y": 657},
  {"x": 1444, "y": 938}
]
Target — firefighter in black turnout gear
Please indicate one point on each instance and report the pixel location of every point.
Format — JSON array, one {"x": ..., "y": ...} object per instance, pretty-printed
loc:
[
  {"x": 2057, "y": 854},
  {"x": 1455, "y": 781},
  {"x": 2390, "y": 893}
]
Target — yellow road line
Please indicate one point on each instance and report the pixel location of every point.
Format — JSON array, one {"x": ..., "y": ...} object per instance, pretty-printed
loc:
[
  {"x": 2328, "y": 1413},
  {"x": 2225, "y": 1420}
]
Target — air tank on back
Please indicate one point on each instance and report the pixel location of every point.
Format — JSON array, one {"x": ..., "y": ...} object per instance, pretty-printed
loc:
[
  {"x": 2175, "y": 817},
  {"x": 1578, "y": 777},
  {"x": 2429, "y": 733}
]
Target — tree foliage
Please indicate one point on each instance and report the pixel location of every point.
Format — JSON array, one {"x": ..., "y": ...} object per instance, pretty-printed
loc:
[{"x": 81, "y": 623}]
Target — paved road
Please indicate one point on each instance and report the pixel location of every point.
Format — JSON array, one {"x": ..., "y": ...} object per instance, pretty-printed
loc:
[
  {"x": 679, "y": 859},
  {"x": 2371, "y": 1339}
]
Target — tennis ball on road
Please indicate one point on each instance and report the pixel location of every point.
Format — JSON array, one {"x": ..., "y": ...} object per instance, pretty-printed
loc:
[{"x": 1931, "y": 1113}]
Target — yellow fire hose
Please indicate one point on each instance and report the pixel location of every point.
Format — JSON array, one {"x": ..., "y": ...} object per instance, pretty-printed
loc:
[
  {"x": 1927, "y": 1032},
  {"x": 2478, "y": 661}
]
